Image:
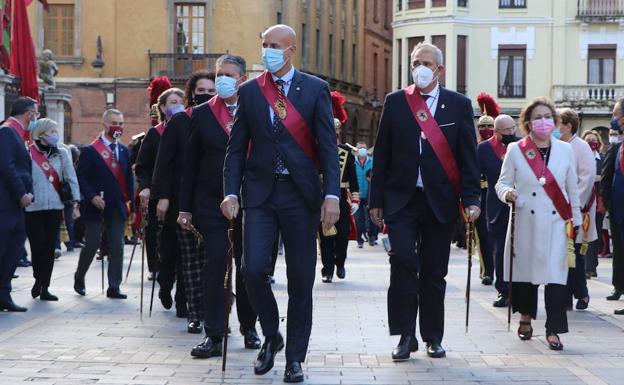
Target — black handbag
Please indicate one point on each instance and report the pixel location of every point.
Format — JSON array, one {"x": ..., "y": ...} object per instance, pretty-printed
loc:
[{"x": 66, "y": 191}]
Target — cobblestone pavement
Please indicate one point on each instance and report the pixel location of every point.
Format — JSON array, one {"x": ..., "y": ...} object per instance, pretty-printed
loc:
[{"x": 95, "y": 340}]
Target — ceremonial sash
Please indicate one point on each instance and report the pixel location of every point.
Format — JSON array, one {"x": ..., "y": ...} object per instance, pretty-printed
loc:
[
  {"x": 536, "y": 162},
  {"x": 113, "y": 166},
  {"x": 292, "y": 119},
  {"x": 221, "y": 113},
  {"x": 189, "y": 112},
  {"x": 498, "y": 148},
  {"x": 160, "y": 128},
  {"x": 622, "y": 159},
  {"x": 24, "y": 134},
  {"x": 49, "y": 171},
  {"x": 585, "y": 210},
  {"x": 434, "y": 135}
]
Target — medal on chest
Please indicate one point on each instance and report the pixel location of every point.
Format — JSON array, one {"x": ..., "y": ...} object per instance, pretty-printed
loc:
[
  {"x": 280, "y": 108},
  {"x": 542, "y": 181}
]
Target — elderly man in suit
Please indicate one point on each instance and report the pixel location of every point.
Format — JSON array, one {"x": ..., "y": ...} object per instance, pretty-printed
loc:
[
  {"x": 16, "y": 189},
  {"x": 425, "y": 165},
  {"x": 107, "y": 186},
  {"x": 282, "y": 138}
]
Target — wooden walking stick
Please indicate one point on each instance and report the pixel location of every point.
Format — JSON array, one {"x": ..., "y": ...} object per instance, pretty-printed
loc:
[
  {"x": 101, "y": 232},
  {"x": 227, "y": 284},
  {"x": 470, "y": 235},
  {"x": 512, "y": 256}
]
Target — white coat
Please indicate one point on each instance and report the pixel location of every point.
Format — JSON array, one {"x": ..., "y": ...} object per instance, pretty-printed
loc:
[
  {"x": 586, "y": 173},
  {"x": 540, "y": 239}
]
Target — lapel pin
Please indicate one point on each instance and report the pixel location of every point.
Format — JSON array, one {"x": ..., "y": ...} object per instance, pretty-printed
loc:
[
  {"x": 298, "y": 88},
  {"x": 442, "y": 106}
]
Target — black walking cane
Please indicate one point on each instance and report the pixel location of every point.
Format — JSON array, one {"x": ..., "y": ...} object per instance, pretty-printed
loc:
[
  {"x": 227, "y": 285},
  {"x": 142, "y": 235},
  {"x": 102, "y": 255},
  {"x": 131, "y": 258},
  {"x": 155, "y": 277},
  {"x": 470, "y": 235},
  {"x": 512, "y": 256}
]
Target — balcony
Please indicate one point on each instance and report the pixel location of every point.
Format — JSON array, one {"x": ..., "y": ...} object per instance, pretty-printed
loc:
[
  {"x": 600, "y": 10},
  {"x": 178, "y": 66},
  {"x": 590, "y": 97}
]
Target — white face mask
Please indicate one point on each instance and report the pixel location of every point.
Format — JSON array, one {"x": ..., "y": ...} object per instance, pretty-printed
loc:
[
  {"x": 422, "y": 76},
  {"x": 614, "y": 139}
]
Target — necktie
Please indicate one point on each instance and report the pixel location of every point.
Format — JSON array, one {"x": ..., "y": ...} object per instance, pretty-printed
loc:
[
  {"x": 113, "y": 147},
  {"x": 280, "y": 166},
  {"x": 231, "y": 109},
  {"x": 426, "y": 97}
]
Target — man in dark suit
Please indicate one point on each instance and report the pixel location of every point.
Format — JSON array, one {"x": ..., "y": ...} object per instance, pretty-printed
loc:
[
  {"x": 107, "y": 186},
  {"x": 15, "y": 193},
  {"x": 180, "y": 251},
  {"x": 612, "y": 181},
  {"x": 283, "y": 130},
  {"x": 201, "y": 194},
  {"x": 491, "y": 154},
  {"x": 417, "y": 195}
]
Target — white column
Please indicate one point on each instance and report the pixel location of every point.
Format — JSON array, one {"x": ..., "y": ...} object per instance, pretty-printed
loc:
[
  {"x": 405, "y": 61},
  {"x": 55, "y": 107}
]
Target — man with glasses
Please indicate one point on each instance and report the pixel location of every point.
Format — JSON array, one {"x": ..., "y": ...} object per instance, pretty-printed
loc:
[{"x": 491, "y": 154}]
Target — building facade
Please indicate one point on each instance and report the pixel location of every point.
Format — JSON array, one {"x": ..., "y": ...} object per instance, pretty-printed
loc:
[
  {"x": 570, "y": 51},
  {"x": 107, "y": 51}
]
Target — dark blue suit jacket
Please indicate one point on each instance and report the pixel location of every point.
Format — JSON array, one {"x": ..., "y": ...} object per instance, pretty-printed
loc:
[
  {"x": 612, "y": 184},
  {"x": 395, "y": 168},
  {"x": 15, "y": 171},
  {"x": 310, "y": 95},
  {"x": 94, "y": 176},
  {"x": 490, "y": 168}
]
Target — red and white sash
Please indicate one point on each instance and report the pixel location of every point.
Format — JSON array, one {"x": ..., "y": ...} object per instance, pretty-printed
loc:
[
  {"x": 160, "y": 128},
  {"x": 499, "y": 148},
  {"x": 113, "y": 166},
  {"x": 42, "y": 161},
  {"x": 221, "y": 113}
]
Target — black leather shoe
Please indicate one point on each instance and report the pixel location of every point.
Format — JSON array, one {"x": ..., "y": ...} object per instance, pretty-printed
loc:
[
  {"x": 36, "y": 290},
  {"x": 252, "y": 341},
  {"x": 487, "y": 280},
  {"x": 79, "y": 286},
  {"x": 407, "y": 345},
  {"x": 293, "y": 372},
  {"x": 210, "y": 347},
  {"x": 194, "y": 327},
  {"x": 165, "y": 298},
  {"x": 582, "y": 303},
  {"x": 327, "y": 279},
  {"x": 266, "y": 357},
  {"x": 115, "y": 293},
  {"x": 618, "y": 312},
  {"x": 501, "y": 301},
  {"x": 12, "y": 307},
  {"x": 47, "y": 296},
  {"x": 341, "y": 272},
  {"x": 615, "y": 295},
  {"x": 435, "y": 350},
  {"x": 24, "y": 263}
]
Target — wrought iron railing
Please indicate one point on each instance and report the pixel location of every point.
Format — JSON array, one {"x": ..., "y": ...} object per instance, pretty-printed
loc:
[
  {"x": 600, "y": 9},
  {"x": 178, "y": 66}
]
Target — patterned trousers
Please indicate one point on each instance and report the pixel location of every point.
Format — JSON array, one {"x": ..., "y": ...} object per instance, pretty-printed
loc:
[{"x": 193, "y": 260}]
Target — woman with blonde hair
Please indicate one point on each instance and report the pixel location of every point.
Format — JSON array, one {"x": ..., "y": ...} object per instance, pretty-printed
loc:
[
  {"x": 54, "y": 183},
  {"x": 538, "y": 176}
]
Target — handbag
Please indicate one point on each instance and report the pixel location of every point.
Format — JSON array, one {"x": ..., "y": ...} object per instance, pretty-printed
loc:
[{"x": 66, "y": 191}]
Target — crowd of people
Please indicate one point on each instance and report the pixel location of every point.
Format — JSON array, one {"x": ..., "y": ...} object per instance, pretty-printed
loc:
[{"x": 243, "y": 166}]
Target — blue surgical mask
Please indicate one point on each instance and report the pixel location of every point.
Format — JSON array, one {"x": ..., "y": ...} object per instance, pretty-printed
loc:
[
  {"x": 614, "y": 124},
  {"x": 556, "y": 133},
  {"x": 32, "y": 124},
  {"x": 273, "y": 59},
  {"x": 362, "y": 152},
  {"x": 51, "y": 139},
  {"x": 226, "y": 86},
  {"x": 173, "y": 109}
]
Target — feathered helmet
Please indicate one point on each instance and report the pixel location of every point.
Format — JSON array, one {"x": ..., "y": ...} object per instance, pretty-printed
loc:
[
  {"x": 340, "y": 115},
  {"x": 157, "y": 86},
  {"x": 489, "y": 109}
]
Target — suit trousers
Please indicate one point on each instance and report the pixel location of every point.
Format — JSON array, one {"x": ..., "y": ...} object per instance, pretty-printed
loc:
[
  {"x": 591, "y": 258},
  {"x": 497, "y": 234},
  {"x": 192, "y": 261},
  {"x": 151, "y": 237},
  {"x": 170, "y": 270},
  {"x": 115, "y": 228},
  {"x": 617, "y": 237},
  {"x": 284, "y": 211},
  {"x": 577, "y": 283},
  {"x": 247, "y": 316},
  {"x": 524, "y": 301},
  {"x": 12, "y": 238},
  {"x": 418, "y": 266},
  {"x": 334, "y": 248},
  {"x": 42, "y": 228}
]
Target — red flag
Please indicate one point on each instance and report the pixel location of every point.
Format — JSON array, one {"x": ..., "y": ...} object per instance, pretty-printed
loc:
[
  {"x": 44, "y": 3},
  {"x": 23, "y": 61}
]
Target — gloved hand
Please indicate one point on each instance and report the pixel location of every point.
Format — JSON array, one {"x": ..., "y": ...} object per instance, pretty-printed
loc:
[{"x": 354, "y": 207}]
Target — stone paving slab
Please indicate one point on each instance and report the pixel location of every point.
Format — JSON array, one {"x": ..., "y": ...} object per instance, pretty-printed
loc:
[{"x": 94, "y": 340}]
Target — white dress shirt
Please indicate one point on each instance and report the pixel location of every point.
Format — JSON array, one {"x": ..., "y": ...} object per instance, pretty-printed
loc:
[
  {"x": 108, "y": 143},
  {"x": 432, "y": 104}
]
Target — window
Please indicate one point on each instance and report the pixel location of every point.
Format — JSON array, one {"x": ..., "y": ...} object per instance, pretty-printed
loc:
[
  {"x": 375, "y": 72},
  {"x": 354, "y": 63},
  {"x": 462, "y": 3},
  {"x": 512, "y": 4},
  {"x": 440, "y": 42},
  {"x": 343, "y": 59},
  {"x": 415, "y": 4},
  {"x": 319, "y": 6},
  {"x": 304, "y": 45},
  {"x": 376, "y": 11},
  {"x": 601, "y": 64},
  {"x": 511, "y": 71},
  {"x": 462, "y": 43},
  {"x": 387, "y": 14},
  {"x": 400, "y": 53},
  {"x": 387, "y": 76},
  {"x": 319, "y": 61},
  {"x": 278, "y": 18},
  {"x": 190, "y": 27},
  {"x": 58, "y": 30},
  {"x": 411, "y": 43},
  {"x": 438, "y": 3},
  {"x": 331, "y": 53}
]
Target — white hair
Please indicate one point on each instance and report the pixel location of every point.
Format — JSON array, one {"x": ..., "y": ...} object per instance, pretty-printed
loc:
[
  {"x": 43, "y": 126},
  {"x": 110, "y": 111},
  {"x": 439, "y": 58}
]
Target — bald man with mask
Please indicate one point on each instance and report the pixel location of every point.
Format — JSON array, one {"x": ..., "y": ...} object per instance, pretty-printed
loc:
[{"x": 283, "y": 135}]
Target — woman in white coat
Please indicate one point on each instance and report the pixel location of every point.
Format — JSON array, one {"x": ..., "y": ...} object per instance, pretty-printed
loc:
[{"x": 534, "y": 169}]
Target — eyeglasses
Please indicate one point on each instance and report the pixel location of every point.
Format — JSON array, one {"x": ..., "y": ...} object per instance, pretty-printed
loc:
[{"x": 37, "y": 114}]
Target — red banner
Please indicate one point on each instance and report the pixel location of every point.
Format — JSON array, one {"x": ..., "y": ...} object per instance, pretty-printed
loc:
[
  {"x": 113, "y": 166},
  {"x": 293, "y": 121},
  {"x": 49, "y": 171},
  {"x": 498, "y": 148},
  {"x": 222, "y": 114},
  {"x": 536, "y": 162}
]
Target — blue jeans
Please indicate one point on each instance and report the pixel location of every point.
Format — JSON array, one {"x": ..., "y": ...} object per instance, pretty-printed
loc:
[{"x": 363, "y": 222}]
